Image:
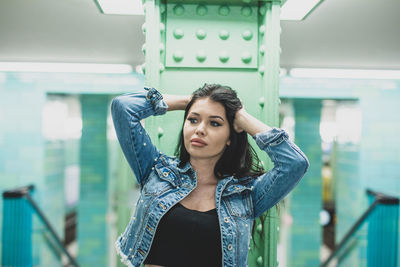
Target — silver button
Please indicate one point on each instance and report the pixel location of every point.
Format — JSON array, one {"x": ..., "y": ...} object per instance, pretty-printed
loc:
[
  {"x": 165, "y": 174},
  {"x": 226, "y": 219},
  {"x": 230, "y": 247}
]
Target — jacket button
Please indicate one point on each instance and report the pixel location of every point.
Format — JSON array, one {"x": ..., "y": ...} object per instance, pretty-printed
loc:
[
  {"x": 226, "y": 219},
  {"x": 165, "y": 174},
  {"x": 230, "y": 247}
]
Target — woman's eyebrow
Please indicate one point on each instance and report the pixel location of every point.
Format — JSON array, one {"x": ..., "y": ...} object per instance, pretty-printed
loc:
[
  {"x": 214, "y": 116},
  {"x": 218, "y": 117}
]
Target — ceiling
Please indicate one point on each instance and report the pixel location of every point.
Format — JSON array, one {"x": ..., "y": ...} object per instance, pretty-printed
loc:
[{"x": 338, "y": 34}]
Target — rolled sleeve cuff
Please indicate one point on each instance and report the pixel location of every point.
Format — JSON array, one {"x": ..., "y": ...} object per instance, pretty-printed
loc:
[
  {"x": 272, "y": 137},
  {"x": 155, "y": 98}
]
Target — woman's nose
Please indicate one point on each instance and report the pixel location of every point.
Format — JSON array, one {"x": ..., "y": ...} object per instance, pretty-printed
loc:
[{"x": 200, "y": 130}]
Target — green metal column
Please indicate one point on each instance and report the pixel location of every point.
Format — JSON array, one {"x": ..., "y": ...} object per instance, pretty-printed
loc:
[
  {"x": 93, "y": 200},
  {"x": 189, "y": 43}
]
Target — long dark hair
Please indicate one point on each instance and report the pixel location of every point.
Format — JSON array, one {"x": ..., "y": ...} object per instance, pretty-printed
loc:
[{"x": 239, "y": 158}]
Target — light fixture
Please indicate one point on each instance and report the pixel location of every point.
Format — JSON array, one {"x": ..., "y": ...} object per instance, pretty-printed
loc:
[
  {"x": 298, "y": 9},
  {"x": 345, "y": 73},
  {"x": 120, "y": 7},
  {"x": 65, "y": 67}
]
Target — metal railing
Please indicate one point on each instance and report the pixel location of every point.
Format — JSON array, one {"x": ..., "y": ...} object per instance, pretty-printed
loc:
[
  {"x": 382, "y": 235},
  {"x": 18, "y": 210}
]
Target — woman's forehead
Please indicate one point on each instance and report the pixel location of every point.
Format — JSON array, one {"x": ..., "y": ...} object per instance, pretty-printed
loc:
[{"x": 208, "y": 107}]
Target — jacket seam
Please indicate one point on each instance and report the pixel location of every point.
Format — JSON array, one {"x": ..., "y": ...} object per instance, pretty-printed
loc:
[{"x": 277, "y": 168}]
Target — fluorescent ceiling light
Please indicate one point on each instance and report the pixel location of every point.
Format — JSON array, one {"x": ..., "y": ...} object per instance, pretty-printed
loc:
[
  {"x": 121, "y": 7},
  {"x": 345, "y": 73},
  {"x": 297, "y": 9},
  {"x": 65, "y": 67}
]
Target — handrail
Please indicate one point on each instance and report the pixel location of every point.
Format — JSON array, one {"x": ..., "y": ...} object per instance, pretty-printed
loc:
[
  {"x": 24, "y": 192},
  {"x": 379, "y": 198}
]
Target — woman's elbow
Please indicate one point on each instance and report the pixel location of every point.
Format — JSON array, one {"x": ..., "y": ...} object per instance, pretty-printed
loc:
[
  {"x": 301, "y": 165},
  {"x": 117, "y": 104}
]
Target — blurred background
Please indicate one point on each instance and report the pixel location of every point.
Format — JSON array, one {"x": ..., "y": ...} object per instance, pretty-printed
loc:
[{"x": 61, "y": 63}]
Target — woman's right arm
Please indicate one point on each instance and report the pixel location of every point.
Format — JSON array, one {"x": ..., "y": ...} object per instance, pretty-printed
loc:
[{"x": 127, "y": 110}]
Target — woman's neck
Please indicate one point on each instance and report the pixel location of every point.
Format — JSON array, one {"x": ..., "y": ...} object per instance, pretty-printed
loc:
[{"x": 205, "y": 170}]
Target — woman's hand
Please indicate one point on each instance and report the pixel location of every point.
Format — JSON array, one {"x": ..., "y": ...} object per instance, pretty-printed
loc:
[
  {"x": 245, "y": 122},
  {"x": 238, "y": 120}
]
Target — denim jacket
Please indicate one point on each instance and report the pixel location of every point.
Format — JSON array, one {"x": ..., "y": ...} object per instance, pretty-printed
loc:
[{"x": 163, "y": 184}]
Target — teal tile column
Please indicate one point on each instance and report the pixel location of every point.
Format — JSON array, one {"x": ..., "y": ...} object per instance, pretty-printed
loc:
[
  {"x": 380, "y": 155},
  {"x": 306, "y": 198},
  {"x": 93, "y": 200},
  {"x": 21, "y": 142}
]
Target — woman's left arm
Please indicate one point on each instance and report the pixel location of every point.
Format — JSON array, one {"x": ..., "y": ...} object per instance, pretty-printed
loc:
[{"x": 290, "y": 163}]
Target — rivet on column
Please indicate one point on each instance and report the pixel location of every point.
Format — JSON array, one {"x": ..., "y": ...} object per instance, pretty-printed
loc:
[
  {"x": 162, "y": 27},
  {"x": 224, "y": 34},
  {"x": 178, "y": 33},
  {"x": 144, "y": 28},
  {"x": 263, "y": 10},
  {"x": 201, "y": 34},
  {"x": 162, "y": 9},
  {"x": 246, "y": 11},
  {"x": 162, "y": 48},
  {"x": 262, "y": 29},
  {"x": 179, "y": 10},
  {"x": 261, "y": 69},
  {"x": 223, "y": 56},
  {"x": 144, "y": 48},
  {"x": 261, "y": 102},
  {"x": 224, "y": 10},
  {"x": 144, "y": 68},
  {"x": 247, "y": 35},
  {"x": 201, "y": 56},
  {"x": 246, "y": 57},
  {"x": 160, "y": 132},
  {"x": 262, "y": 49},
  {"x": 260, "y": 260},
  {"x": 201, "y": 10},
  {"x": 161, "y": 67},
  {"x": 178, "y": 56}
]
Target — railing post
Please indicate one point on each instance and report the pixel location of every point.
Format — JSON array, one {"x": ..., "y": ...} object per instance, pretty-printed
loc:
[
  {"x": 17, "y": 228},
  {"x": 383, "y": 231}
]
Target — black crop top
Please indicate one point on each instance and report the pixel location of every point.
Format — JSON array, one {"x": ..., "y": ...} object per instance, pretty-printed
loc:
[{"x": 185, "y": 238}]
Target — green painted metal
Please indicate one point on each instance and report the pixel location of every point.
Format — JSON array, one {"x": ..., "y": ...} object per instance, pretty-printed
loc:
[{"x": 189, "y": 43}]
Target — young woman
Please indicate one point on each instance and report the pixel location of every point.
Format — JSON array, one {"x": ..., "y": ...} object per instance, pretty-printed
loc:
[{"x": 198, "y": 208}]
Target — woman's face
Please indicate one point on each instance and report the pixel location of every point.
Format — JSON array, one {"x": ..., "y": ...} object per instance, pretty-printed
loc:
[{"x": 206, "y": 129}]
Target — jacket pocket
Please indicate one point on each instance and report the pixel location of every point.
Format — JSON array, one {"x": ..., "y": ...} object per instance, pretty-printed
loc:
[
  {"x": 156, "y": 185},
  {"x": 239, "y": 203}
]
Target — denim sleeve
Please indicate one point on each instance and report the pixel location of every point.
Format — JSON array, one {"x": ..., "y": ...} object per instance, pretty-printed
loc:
[
  {"x": 127, "y": 110},
  {"x": 290, "y": 165}
]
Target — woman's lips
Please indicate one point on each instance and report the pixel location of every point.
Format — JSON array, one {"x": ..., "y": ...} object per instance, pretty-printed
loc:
[{"x": 197, "y": 142}]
